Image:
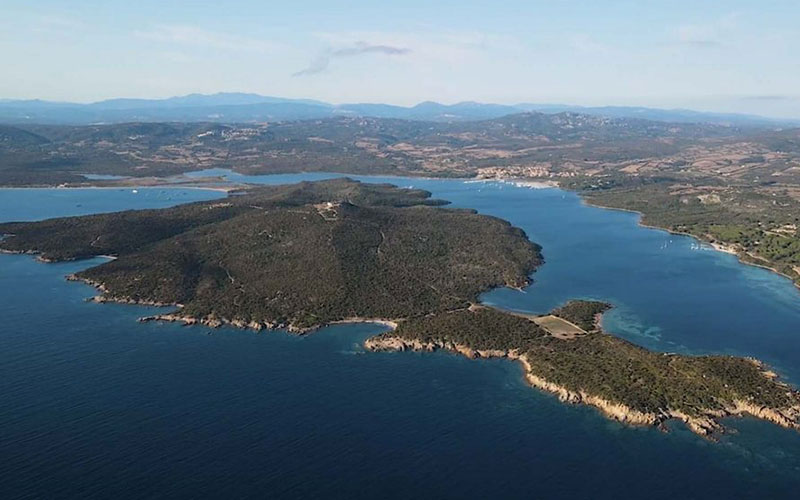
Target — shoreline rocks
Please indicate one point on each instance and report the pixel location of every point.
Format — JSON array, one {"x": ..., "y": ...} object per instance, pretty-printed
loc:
[{"x": 704, "y": 424}]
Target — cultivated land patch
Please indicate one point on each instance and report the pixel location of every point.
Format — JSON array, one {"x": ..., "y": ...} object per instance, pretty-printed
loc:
[{"x": 558, "y": 327}]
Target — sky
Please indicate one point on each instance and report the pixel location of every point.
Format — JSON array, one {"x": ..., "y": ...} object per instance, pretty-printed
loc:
[{"x": 731, "y": 55}]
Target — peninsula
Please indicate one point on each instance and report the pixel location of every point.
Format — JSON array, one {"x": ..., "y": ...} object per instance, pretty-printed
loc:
[{"x": 305, "y": 255}]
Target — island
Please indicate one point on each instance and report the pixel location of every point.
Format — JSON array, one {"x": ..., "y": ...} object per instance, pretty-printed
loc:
[{"x": 315, "y": 253}]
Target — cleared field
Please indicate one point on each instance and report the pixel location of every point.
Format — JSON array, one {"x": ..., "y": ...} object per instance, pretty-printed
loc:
[{"x": 559, "y": 328}]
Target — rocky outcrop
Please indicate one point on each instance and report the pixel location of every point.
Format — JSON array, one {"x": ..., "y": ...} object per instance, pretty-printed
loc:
[
  {"x": 785, "y": 417},
  {"x": 393, "y": 343},
  {"x": 705, "y": 422},
  {"x": 613, "y": 410},
  {"x": 214, "y": 322},
  {"x": 106, "y": 296}
]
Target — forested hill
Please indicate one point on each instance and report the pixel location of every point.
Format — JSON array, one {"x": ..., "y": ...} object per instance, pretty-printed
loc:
[
  {"x": 309, "y": 254},
  {"x": 300, "y": 255}
]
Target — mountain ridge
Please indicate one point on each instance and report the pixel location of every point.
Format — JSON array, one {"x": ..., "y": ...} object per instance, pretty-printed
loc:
[{"x": 232, "y": 107}]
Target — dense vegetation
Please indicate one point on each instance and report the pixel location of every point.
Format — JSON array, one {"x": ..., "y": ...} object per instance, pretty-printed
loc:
[
  {"x": 758, "y": 223},
  {"x": 603, "y": 365},
  {"x": 732, "y": 185},
  {"x": 316, "y": 252},
  {"x": 582, "y": 312},
  {"x": 736, "y": 186},
  {"x": 300, "y": 255}
]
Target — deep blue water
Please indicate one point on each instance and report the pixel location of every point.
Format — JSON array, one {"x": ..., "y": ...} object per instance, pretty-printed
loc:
[
  {"x": 43, "y": 203},
  {"x": 94, "y": 404}
]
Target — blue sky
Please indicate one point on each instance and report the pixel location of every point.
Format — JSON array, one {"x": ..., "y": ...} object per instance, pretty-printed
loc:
[{"x": 730, "y": 55}]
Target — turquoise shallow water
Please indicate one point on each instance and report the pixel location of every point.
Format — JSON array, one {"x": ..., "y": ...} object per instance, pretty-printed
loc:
[{"x": 95, "y": 404}]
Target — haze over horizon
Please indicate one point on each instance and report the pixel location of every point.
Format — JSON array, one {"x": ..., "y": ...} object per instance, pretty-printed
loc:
[{"x": 707, "y": 56}]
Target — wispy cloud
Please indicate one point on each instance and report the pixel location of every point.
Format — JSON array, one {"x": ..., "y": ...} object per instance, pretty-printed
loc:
[
  {"x": 60, "y": 22},
  {"x": 200, "y": 37},
  {"x": 365, "y": 48},
  {"x": 584, "y": 43},
  {"x": 769, "y": 98},
  {"x": 707, "y": 34},
  {"x": 323, "y": 61},
  {"x": 56, "y": 25},
  {"x": 423, "y": 49},
  {"x": 177, "y": 56}
]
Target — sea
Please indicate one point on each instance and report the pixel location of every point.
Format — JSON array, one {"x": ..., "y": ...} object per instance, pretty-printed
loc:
[{"x": 94, "y": 404}]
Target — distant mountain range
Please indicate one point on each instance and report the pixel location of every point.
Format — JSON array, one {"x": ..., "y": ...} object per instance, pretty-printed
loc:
[{"x": 243, "y": 107}]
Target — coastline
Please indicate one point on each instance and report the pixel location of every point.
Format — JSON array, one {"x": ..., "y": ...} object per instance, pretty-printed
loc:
[
  {"x": 221, "y": 189},
  {"x": 523, "y": 182},
  {"x": 720, "y": 247},
  {"x": 214, "y": 322},
  {"x": 516, "y": 182},
  {"x": 705, "y": 424},
  {"x": 533, "y": 183}
]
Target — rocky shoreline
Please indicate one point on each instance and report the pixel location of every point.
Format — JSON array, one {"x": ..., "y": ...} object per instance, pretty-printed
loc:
[
  {"x": 213, "y": 321},
  {"x": 705, "y": 424},
  {"x": 699, "y": 407}
]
